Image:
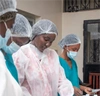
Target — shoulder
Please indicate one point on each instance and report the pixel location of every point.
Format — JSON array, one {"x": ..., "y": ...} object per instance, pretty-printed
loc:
[
  {"x": 24, "y": 46},
  {"x": 49, "y": 51},
  {"x": 61, "y": 59},
  {"x": 74, "y": 62},
  {"x": 24, "y": 49},
  {"x": 21, "y": 53},
  {"x": 52, "y": 54}
]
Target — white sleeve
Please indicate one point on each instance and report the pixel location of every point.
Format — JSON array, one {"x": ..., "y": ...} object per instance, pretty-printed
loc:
[
  {"x": 8, "y": 85},
  {"x": 20, "y": 61},
  {"x": 65, "y": 87},
  {"x": 3, "y": 78},
  {"x": 2, "y": 60}
]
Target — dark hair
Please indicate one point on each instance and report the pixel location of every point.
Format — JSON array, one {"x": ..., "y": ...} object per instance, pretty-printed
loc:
[{"x": 7, "y": 16}]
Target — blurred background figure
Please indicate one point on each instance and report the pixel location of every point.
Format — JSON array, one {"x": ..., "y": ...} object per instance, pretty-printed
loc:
[
  {"x": 20, "y": 35},
  {"x": 39, "y": 71}
]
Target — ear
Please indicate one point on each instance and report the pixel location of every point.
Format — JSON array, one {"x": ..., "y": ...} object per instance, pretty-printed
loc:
[{"x": 64, "y": 47}]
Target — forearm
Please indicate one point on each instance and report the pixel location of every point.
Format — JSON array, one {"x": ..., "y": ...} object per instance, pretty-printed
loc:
[
  {"x": 82, "y": 87},
  {"x": 65, "y": 87},
  {"x": 80, "y": 82}
]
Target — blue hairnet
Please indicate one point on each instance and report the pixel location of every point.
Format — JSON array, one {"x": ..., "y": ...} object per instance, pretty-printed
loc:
[
  {"x": 44, "y": 26},
  {"x": 21, "y": 27},
  {"x": 7, "y": 6},
  {"x": 68, "y": 40}
]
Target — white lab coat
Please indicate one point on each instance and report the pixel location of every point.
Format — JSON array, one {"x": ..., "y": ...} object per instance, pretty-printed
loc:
[
  {"x": 8, "y": 85},
  {"x": 40, "y": 74}
]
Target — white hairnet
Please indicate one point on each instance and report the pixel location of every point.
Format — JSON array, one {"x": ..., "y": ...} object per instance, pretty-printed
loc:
[
  {"x": 7, "y": 6},
  {"x": 44, "y": 26},
  {"x": 21, "y": 27},
  {"x": 70, "y": 39}
]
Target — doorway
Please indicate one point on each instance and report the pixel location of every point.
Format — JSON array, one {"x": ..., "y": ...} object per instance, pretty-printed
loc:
[{"x": 91, "y": 60}]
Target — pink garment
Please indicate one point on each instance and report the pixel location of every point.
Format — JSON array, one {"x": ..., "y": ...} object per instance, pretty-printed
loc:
[{"x": 40, "y": 74}]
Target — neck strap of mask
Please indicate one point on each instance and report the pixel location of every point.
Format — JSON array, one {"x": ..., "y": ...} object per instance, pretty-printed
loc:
[
  {"x": 5, "y": 25},
  {"x": 6, "y": 29}
]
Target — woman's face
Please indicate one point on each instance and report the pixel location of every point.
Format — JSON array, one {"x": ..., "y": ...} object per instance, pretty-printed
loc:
[
  {"x": 43, "y": 41},
  {"x": 74, "y": 48}
]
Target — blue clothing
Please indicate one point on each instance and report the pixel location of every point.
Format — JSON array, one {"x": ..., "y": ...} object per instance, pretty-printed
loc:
[
  {"x": 71, "y": 73},
  {"x": 10, "y": 65}
]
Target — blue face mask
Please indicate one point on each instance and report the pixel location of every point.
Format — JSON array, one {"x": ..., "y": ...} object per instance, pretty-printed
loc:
[
  {"x": 71, "y": 54},
  {"x": 12, "y": 48},
  {"x": 3, "y": 41}
]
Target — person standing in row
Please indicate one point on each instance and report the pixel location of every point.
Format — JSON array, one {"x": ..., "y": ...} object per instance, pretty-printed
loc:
[
  {"x": 71, "y": 45},
  {"x": 20, "y": 35},
  {"x": 39, "y": 70},
  {"x": 8, "y": 85}
]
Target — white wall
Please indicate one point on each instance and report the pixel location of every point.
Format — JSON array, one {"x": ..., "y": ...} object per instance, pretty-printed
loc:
[
  {"x": 47, "y": 9},
  {"x": 73, "y": 23},
  {"x": 66, "y": 22}
]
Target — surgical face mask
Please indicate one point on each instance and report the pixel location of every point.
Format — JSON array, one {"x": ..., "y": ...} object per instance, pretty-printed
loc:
[
  {"x": 3, "y": 41},
  {"x": 71, "y": 54},
  {"x": 12, "y": 48}
]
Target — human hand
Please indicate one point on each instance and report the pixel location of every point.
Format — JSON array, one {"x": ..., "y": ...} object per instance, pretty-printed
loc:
[
  {"x": 88, "y": 90},
  {"x": 77, "y": 91}
]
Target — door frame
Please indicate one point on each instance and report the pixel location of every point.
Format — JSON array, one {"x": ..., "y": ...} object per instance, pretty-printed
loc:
[{"x": 85, "y": 38}]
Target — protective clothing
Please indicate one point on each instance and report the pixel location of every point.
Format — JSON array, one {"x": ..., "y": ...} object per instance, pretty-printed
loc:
[
  {"x": 42, "y": 27},
  {"x": 8, "y": 85},
  {"x": 40, "y": 73},
  {"x": 70, "y": 39},
  {"x": 7, "y": 6}
]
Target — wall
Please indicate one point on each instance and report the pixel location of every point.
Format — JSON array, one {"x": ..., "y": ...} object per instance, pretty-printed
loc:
[
  {"x": 48, "y": 9},
  {"x": 73, "y": 23},
  {"x": 66, "y": 22}
]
